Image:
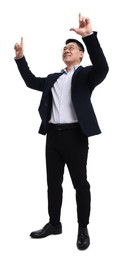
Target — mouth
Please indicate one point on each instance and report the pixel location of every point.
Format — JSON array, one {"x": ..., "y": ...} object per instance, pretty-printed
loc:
[{"x": 67, "y": 55}]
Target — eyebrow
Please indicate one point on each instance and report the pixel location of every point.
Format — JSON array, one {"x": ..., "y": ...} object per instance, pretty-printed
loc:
[{"x": 71, "y": 45}]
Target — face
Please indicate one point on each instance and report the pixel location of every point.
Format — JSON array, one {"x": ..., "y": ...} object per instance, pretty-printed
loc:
[{"x": 71, "y": 54}]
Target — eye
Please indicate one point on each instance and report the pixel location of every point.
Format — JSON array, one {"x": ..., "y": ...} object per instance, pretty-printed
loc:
[
  {"x": 71, "y": 48},
  {"x": 64, "y": 49}
]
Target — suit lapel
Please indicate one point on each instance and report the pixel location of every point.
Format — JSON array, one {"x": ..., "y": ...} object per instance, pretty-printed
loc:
[
  {"x": 75, "y": 74},
  {"x": 51, "y": 79}
]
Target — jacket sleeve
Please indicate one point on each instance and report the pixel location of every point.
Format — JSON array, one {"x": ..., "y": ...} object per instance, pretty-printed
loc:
[
  {"x": 29, "y": 78},
  {"x": 99, "y": 68}
]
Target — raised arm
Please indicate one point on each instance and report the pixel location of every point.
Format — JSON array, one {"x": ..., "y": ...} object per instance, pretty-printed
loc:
[
  {"x": 29, "y": 78},
  {"x": 99, "y": 68}
]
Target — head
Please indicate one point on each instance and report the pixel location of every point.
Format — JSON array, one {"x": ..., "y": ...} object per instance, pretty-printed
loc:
[{"x": 73, "y": 52}]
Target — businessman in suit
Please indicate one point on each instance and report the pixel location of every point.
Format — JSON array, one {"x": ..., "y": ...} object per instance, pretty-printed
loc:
[{"x": 68, "y": 120}]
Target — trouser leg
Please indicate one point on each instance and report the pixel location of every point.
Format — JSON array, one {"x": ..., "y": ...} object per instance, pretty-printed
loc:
[
  {"x": 76, "y": 159},
  {"x": 55, "y": 169}
]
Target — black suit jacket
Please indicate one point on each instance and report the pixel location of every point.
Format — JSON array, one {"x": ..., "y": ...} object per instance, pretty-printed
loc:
[{"x": 84, "y": 80}]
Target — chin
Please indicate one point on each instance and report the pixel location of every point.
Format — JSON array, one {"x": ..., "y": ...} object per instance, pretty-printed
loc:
[{"x": 67, "y": 59}]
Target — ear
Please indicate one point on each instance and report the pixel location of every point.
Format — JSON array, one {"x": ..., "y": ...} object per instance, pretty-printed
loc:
[{"x": 82, "y": 54}]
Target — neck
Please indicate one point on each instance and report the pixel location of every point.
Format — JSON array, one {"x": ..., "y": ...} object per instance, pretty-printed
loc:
[{"x": 70, "y": 66}]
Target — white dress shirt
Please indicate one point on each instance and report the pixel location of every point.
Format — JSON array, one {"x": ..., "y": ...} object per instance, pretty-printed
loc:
[{"x": 62, "y": 107}]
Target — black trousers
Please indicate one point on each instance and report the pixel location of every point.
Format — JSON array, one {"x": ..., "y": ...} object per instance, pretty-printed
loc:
[{"x": 70, "y": 147}]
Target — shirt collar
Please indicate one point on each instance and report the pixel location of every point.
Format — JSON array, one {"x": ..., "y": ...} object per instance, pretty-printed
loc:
[{"x": 73, "y": 68}]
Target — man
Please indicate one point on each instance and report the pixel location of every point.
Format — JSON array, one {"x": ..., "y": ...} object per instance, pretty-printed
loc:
[{"x": 68, "y": 119}]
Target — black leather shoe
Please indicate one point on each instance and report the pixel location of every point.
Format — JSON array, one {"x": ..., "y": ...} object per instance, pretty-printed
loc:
[
  {"x": 47, "y": 230},
  {"x": 83, "y": 240}
]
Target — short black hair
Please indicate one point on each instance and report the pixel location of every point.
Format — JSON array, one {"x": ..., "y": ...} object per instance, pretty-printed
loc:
[{"x": 80, "y": 45}]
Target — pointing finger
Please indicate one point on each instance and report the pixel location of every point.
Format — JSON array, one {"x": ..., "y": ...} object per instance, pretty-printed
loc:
[
  {"x": 21, "y": 42},
  {"x": 80, "y": 17}
]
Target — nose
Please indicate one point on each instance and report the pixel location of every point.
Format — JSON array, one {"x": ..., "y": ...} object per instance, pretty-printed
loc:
[{"x": 66, "y": 50}]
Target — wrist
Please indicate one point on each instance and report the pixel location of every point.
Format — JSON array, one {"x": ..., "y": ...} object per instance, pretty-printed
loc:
[
  {"x": 19, "y": 56},
  {"x": 87, "y": 34}
]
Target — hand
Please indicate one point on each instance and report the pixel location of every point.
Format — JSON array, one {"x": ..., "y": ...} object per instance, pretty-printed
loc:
[
  {"x": 85, "y": 27},
  {"x": 19, "y": 52}
]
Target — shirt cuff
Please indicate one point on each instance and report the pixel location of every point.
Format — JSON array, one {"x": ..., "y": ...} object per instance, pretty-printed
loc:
[{"x": 88, "y": 35}]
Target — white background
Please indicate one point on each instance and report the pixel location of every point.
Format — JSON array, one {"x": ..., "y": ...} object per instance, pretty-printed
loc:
[{"x": 23, "y": 192}]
